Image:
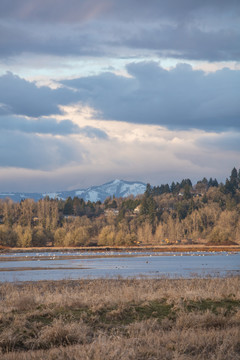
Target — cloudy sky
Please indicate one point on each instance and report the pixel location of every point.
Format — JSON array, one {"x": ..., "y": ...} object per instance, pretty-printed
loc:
[{"x": 94, "y": 90}]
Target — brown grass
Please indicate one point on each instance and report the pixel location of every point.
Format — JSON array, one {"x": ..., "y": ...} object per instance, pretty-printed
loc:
[
  {"x": 121, "y": 319},
  {"x": 162, "y": 248}
]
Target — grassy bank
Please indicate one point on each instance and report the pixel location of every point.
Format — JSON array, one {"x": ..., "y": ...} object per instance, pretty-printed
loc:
[
  {"x": 162, "y": 248},
  {"x": 121, "y": 319}
]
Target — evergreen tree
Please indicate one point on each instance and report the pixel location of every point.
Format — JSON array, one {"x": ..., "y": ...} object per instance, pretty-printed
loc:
[
  {"x": 187, "y": 194},
  {"x": 172, "y": 187},
  {"x": 234, "y": 178},
  {"x": 148, "y": 190},
  {"x": 186, "y": 182},
  {"x": 68, "y": 207},
  {"x": 212, "y": 183},
  {"x": 229, "y": 187}
]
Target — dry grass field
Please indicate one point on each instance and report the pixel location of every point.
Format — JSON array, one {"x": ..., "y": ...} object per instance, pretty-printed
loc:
[
  {"x": 121, "y": 319},
  {"x": 161, "y": 248}
]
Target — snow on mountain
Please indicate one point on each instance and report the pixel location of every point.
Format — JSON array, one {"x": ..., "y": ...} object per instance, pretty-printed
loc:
[
  {"x": 51, "y": 195},
  {"x": 118, "y": 188},
  {"x": 92, "y": 196},
  {"x": 79, "y": 192}
]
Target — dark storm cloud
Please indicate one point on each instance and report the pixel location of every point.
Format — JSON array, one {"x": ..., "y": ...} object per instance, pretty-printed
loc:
[
  {"x": 187, "y": 29},
  {"x": 180, "y": 98},
  {"x": 63, "y": 11},
  {"x": 21, "y": 97},
  {"x": 188, "y": 43},
  {"x": 82, "y": 10},
  {"x": 17, "y": 38},
  {"x": 30, "y": 151},
  {"x": 24, "y": 98}
]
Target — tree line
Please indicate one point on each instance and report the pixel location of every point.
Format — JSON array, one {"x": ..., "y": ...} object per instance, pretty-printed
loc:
[{"x": 207, "y": 212}]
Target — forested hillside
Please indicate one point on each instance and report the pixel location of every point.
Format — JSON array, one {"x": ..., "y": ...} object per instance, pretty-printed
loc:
[{"x": 207, "y": 212}]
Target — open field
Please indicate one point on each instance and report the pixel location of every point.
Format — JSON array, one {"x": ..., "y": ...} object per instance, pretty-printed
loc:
[{"x": 121, "y": 319}]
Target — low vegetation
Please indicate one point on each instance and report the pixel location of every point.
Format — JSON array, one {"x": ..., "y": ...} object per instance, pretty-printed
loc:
[
  {"x": 121, "y": 319},
  {"x": 206, "y": 213}
]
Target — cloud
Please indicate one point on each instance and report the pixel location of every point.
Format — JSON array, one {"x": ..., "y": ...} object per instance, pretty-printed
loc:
[
  {"x": 193, "y": 30},
  {"x": 48, "y": 126},
  {"x": 60, "y": 40},
  {"x": 54, "y": 10},
  {"x": 46, "y": 163},
  {"x": 148, "y": 114},
  {"x": 21, "y": 97},
  {"x": 186, "y": 42},
  {"x": 39, "y": 143},
  {"x": 24, "y": 98},
  {"x": 179, "y": 98},
  {"x": 228, "y": 142},
  {"x": 41, "y": 126},
  {"x": 29, "y": 151},
  {"x": 77, "y": 11},
  {"x": 92, "y": 132}
]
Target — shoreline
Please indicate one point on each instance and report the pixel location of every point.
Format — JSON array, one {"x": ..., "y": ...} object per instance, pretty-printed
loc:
[{"x": 159, "y": 248}]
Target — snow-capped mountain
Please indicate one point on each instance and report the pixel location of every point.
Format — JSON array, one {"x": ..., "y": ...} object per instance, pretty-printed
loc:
[{"x": 118, "y": 188}]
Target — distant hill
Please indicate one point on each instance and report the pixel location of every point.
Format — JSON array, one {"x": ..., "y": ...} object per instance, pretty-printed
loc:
[{"x": 118, "y": 188}]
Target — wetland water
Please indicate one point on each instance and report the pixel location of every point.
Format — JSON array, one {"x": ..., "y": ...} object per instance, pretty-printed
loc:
[{"x": 77, "y": 265}]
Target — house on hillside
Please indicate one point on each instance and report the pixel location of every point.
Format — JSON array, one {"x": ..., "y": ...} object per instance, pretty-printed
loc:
[
  {"x": 69, "y": 217},
  {"x": 137, "y": 210},
  {"x": 109, "y": 212}
]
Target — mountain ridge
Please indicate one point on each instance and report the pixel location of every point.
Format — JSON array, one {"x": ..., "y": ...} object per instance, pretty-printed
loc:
[{"x": 117, "y": 188}]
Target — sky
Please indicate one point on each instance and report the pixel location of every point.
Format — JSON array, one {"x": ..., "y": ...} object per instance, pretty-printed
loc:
[{"x": 96, "y": 90}]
